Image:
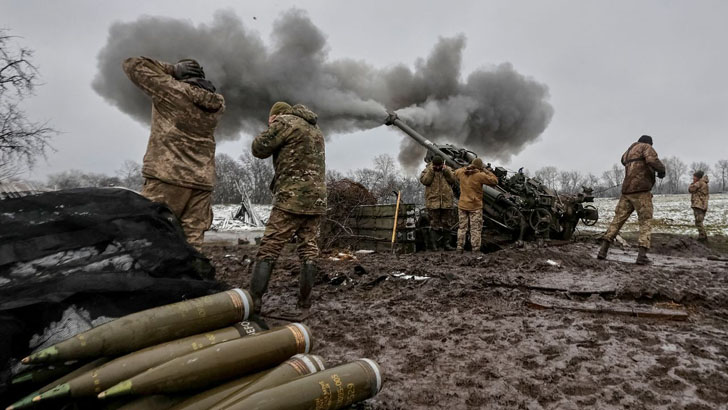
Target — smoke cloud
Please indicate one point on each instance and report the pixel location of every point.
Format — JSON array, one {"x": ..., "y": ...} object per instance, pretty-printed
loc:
[{"x": 494, "y": 112}]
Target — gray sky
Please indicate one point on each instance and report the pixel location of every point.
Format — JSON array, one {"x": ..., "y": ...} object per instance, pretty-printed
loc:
[{"x": 615, "y": 70}]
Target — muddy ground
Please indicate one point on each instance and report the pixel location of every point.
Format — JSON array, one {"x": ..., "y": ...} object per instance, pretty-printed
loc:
[{"x": 467, "y": 337}]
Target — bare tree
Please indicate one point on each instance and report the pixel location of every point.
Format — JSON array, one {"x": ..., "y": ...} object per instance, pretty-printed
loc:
[
  {"x": 130, "y": 175},
  {"x": 700, "y": 166},
  {"x": 548, "y": 176},
  {"x": 21, "y": 140},
  {"x": 257, "y": 176},
  {"x": 721, "y": 171},
  {"x": 675, "y": 169},
  {"x": 229, "y": 173}
]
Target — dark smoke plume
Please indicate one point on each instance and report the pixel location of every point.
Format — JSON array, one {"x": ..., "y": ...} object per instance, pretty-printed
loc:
[{"x": 493, "y": 112}]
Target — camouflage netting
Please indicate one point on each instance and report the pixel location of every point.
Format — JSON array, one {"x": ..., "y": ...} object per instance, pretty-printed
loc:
[
  {"x": 87, "y": 254},
  {"x": 343, "y": 196}
]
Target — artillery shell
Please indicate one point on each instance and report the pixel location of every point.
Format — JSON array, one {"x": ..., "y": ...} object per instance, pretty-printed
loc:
[
  {"x": 203, "y": 401},
  {"x": 45, "y": 374},
  {"x": 27, "y": 401},
  {"x": 330, "y": 389},
  {"x": 97, "y": 380},
  {"x": 219, "y": 362},
  {"x": 150, "y": 327},
  {"x": 293, "y": 368}
]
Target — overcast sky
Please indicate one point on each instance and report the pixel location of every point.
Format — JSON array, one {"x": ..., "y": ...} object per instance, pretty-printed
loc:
[{"x": 614, "y": 69}]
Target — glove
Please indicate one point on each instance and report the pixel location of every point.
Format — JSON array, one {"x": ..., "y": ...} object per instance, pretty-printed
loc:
[
  {"x": 185, "y": 69},
  {"x": 661, "y": 174}
]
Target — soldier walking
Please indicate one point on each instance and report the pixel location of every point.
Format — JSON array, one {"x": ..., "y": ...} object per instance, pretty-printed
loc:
[
  {"x": 640, "y": 165},
  {"x": 699, "y": 201},
  {"x": 470, "y": 205},
  {"x": 179, "y": 165},
  {"x": 437, "y": 179},
  {"x": 299, "y": 195}
]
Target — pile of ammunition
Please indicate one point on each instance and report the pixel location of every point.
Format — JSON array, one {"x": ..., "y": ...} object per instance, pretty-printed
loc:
[{"x": 198, "y": 354}]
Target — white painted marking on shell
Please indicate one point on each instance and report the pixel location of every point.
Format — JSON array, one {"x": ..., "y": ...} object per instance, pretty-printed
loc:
[
  {"x": 246, "y": 302},
  {"x": 309, "y": 364},
  {"x": 305, "y": 336},
  {"x": 318, "y": 361},
  {"x": 375, "y": 368}
]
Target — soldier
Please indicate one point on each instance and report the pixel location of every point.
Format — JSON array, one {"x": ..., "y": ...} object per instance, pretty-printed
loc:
[
  {"x": 699, "y": 201},
  {"x": 299, "y": 195},
  {"x": 437, "y": 178},
  {"x": 470, "y": 205},
  {"x": 640, "y": 165},
  {"x": 179, "y": 165}
]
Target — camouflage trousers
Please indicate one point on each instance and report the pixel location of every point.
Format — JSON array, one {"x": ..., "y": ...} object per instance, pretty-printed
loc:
[
  {"x": 439, "y": 218},
  {"x": 628, "y": 203},
  {"x": 474, "y": 221},
  {"x": 699, "y": 218},
  {"x": 281, "y": 227},
  {"x": 191, "y": 206}
]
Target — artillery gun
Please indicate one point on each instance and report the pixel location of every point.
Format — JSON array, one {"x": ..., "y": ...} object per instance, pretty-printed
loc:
[{"x": 519, "y": 207}]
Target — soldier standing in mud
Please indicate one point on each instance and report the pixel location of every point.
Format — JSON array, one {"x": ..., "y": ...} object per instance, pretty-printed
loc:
[
  {"x": 699, "y": 201},
  {"x": 299, "y": 195},
  {"x": 470, "y": 205},
  {"x": 640, "y": 165},
  {"x": 179, "y": 165},
  {"x": 437, "y": 179}
]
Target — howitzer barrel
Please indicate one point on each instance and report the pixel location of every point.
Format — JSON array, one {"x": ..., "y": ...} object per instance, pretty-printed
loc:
[{"x": 393, "y": 119}]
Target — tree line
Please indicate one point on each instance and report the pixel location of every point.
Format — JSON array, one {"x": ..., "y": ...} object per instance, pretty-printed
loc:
[
  {"x": 252, "y": 176},
  {"x": 678, "y": 176}
]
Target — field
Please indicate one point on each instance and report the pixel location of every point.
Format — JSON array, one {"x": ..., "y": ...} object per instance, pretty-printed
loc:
[
  {"x": 672, "y": 214},
  {"x": 463, "y": 331}
]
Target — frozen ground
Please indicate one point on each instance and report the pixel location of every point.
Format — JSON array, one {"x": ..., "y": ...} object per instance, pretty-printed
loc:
[{"x": 672, "y": 214}]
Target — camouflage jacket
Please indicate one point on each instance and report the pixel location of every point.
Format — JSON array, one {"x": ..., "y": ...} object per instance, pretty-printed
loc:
[
  {"x": 700, "y": 193},
  {"x": 438, "y": 192},
  {"x": 471, "y": 181},
  {"x": 181, "y": 148},
  {"x": 299, "y": 159},
  {"x": 640, "y": 164}
]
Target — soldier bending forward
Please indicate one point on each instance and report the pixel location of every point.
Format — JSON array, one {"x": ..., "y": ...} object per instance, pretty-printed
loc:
[{"x": 299, "y": 195}]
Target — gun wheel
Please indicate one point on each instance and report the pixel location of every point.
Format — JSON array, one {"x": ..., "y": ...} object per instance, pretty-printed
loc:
[
  {"x": 589, "y": 220},
  {"x": 540, "y": 220},
  {"x": 512, "y": 217}
]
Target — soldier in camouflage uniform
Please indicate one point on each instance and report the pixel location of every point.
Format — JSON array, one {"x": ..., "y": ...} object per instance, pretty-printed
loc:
[
  {"x": 470, "y": 205},
  {"x": 640, "y": 165},
  {"x": 179, "y": 165},
  {"x": 299, "y": 195},
  {"x": 437, "y": 178},
  {"x": 699, "y": 201}
]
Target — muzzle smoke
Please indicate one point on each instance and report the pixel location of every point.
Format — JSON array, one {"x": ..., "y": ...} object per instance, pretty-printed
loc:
[{"x": 494, "y": 112}]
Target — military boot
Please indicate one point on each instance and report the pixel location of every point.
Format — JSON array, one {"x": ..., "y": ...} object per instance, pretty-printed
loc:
[
  {"x": 604, "y": 249},
  {"x": 431, "y": 240},
  {"x": 642, "y": 257},
  {"x": 305, "y": 284},
  {"x": 259, "y": 282},
  {"x": 444, "y": 240}
]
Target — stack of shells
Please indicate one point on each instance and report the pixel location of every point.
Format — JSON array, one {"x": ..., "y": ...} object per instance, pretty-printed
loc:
[{"x": 197, "y": 354}]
